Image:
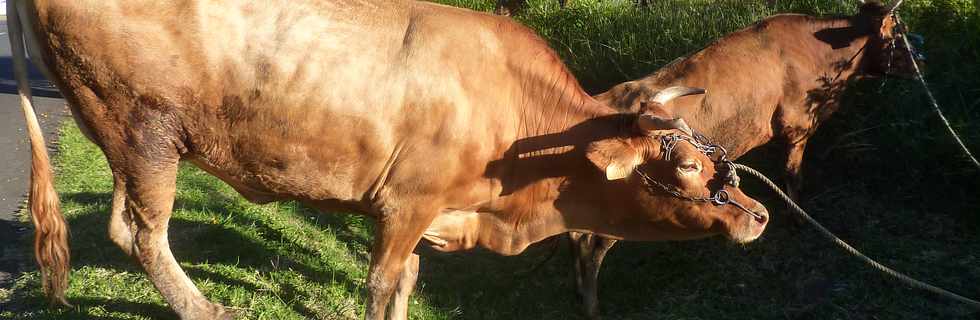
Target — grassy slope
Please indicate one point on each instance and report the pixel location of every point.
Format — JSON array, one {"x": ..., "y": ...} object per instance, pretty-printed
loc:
[{"x": 881, "y": 173}]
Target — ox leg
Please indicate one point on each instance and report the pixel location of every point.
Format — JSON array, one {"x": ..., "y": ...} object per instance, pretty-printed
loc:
[
  {"x": 589, "y": 250},
  {"x": 120, "y": 221},
  {"x": 794, "y": 177},
  {"x": 393, "y": 246},
  {"x": 406, "y": 284},
  {"x": 150, "y": 189}
]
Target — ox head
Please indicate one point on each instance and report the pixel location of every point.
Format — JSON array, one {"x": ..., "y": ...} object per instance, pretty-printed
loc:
[
  {"x": 669, "y": 182},
  {"x": 887, "y": 53}
]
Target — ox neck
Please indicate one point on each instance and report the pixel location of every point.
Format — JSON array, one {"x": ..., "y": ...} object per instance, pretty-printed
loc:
[
  {"x": 549, "y": 97},
  {"x": 554, "y": 122},
  {"x": 846, "y": 48},
  {"x": 548, "y": 153},
  {"x": 548, "y": 115}
]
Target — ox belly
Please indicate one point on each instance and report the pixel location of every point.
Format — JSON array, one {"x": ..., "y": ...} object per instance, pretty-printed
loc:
[{"x": 454, "y": 230}]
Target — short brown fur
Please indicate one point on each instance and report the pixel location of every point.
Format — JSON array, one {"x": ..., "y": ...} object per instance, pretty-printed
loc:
[
  {"x": 459, "y": 127},
  {"x": 774, "y": 81}
]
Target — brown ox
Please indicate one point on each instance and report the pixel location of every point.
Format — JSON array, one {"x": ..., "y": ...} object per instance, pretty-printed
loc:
[
  {"x": 458, "y": 126},
  {"x": 776, "y": 80}
]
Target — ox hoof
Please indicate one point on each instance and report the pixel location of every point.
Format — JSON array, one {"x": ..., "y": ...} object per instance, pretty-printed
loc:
[
  {"x": 592, "y": 313},
  {"x": 217, "y": 312},
  {"x": 226, "y": 314}
]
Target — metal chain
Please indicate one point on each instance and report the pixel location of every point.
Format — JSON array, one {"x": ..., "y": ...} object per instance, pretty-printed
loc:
[
  {"x": 891, "y": 57},
  {"x": 650, "y": 183},
  {"x": 717, "y": 154},
  {"x": 843, "y": 245}
]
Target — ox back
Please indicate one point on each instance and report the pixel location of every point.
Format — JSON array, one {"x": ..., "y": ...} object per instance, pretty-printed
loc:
[
  {"x": 304, "y": 113},
  {"x": 775, "y": 80},
  {"x": 417, "y": 114}
]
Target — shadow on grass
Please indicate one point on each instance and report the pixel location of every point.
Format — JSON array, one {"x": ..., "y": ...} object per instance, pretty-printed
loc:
[
  {"x": 792, "y": 269},
  {"x": 340, "y": 224},
  {"x": 81, "y": 308},
  {"x": 148, "y": 310},
  {"x": 791, "y": 272},
  {"x": 195, "y": 242}
]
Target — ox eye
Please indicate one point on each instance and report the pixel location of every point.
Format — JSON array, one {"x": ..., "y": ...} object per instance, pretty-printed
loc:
[{"x": 689, "y": 166}]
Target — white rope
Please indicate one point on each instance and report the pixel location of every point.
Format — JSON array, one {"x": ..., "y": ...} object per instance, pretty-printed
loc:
[
  {"x": 935, "y": 105},
  {"x": 843, "y": 245}
]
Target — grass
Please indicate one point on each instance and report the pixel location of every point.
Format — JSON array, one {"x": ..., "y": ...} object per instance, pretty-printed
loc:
[{"x": 881, "y": 173}]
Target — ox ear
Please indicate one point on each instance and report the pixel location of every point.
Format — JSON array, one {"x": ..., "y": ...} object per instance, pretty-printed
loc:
[{"x": 614, "y": 156}]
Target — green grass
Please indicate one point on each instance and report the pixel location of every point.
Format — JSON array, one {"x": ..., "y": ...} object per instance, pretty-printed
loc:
[{"x": 881, "y": 173}]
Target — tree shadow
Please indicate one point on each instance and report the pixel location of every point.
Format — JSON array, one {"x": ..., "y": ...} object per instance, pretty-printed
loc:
[
  {"x": 484, "y": 285},
  {"x": 147, "y": 310},
  {"x": 340, "y": 224},
  {"x": 81, "y": 306}
]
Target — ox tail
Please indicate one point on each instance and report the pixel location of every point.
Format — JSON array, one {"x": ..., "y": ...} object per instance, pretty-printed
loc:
[{"x": 50, "y": 230}]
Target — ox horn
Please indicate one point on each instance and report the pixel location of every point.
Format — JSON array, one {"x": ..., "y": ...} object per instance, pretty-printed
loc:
[
  {"x": 895, "y": 5},
  {"x": 668, "y": 94},
  {"x": 649, "y": 122}
]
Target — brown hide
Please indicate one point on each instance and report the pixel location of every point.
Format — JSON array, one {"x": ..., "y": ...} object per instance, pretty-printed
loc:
[
  {"x": 775, "y": 80},
  {"x": 462, "y": 126}
]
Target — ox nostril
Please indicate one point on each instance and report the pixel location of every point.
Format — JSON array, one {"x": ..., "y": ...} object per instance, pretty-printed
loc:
[{"x": 762, "y": 215}]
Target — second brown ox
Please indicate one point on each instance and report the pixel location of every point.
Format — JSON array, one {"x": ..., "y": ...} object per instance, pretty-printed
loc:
[
  {"x": 457, "y": 126},
  {"x": 774, "y": 81}
]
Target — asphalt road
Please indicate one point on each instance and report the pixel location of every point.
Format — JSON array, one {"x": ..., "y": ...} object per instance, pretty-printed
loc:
[{"x": 15, "y": 154}]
